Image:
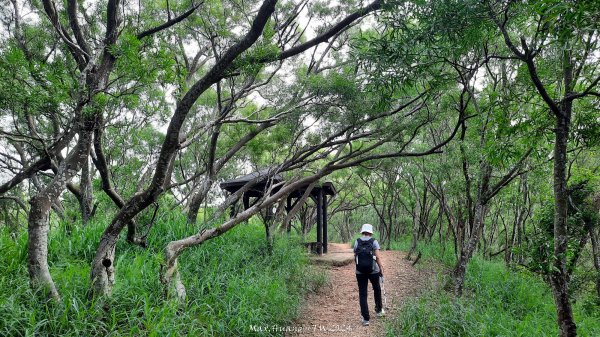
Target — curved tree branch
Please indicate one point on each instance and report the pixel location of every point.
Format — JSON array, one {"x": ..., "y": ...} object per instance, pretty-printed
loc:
[{"x": 169, "y": 23}]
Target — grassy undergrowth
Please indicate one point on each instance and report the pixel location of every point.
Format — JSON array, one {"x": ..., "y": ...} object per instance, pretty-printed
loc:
[
  {"x": 232, "y": 283},
  {"x": 497, "y": 302}
]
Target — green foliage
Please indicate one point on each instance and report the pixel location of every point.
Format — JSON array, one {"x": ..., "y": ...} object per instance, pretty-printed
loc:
[
  {"x": 247, "y": 63},
  {"x": 419, "y": 38},
  {"x": 142, "y": 63},
  {"x": 31, "y": 87},
  {"x": 540, "y": 235},
  {"x": 499, "y": 302},
  {"x": 232, "y": 283},
  {"x": 586, "y": 129}
]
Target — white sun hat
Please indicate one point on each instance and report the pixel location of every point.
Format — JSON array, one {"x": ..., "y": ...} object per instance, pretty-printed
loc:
[{"x": 367, "y": 228}]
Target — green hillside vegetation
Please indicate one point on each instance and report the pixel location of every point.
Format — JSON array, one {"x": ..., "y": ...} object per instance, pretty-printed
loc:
[
  {"x": 233, "y": 283},
  {"x": 499, "y": 302}
]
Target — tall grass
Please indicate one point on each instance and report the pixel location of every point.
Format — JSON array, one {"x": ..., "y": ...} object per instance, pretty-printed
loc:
[
  {"x": 497, "y": 302},
  {"x": 232, "y": 283}
]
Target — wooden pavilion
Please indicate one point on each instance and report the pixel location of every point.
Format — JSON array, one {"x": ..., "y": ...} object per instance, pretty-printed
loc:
[{"x": 263, "y": 180}]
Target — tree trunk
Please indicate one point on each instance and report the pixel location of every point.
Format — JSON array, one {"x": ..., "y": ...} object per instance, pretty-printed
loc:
[
  {"x": 559, "y": 277},
  {"x": 194, "y": 208},
  {"x": 86, "y": 202},
  {"x": 466, "y": 252},
  {"x": 197, "y": 199},
  {"x": 478, "y": 214},
  {"x": 415, "y": 230},
  {"x": 596, "y": 256},
  {"x": 523, "y": 211},
  {"x": 508, "y": 242},
  {"x": 169, "y": 273},
  {"x": 269, "y": 237},
  {"x": 38, "y": 224},
  {"x": 102, "y": 272}
]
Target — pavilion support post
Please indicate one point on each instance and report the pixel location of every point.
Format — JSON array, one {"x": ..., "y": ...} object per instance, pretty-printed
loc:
[
  {"x": 288, "y": 209},
  {"x": 320, "y": 221},
  {"x": 246, "y": 200},
  {"x": 324, "y": 222},
  {"x": 268, "y": 220}
]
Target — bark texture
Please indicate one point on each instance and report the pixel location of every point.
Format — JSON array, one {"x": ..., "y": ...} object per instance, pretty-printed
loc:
[
  {"x": 86, "y": 202},
  {"x": 559, "y": 277},
  {"x": 38, "y": 224},
  {"x": 466, "y": 253}
]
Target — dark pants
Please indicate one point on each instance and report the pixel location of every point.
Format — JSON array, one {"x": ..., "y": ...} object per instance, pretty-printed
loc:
[{"x": 363, "y": 283}]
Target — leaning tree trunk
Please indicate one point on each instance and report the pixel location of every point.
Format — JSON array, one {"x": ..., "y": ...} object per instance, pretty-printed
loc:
[
  {"x": 102, "y": 272},
  {"x": 38, "y": 224},
  {"x": 169, "y": 273}
]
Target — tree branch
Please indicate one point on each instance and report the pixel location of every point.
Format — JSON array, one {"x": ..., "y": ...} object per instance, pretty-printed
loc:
[
  {"x": 169, "y": 23},
  {"x": 76, "y": 28},
  {"x": 507, "y": 178},
  {"x": 78, "y": 54}
]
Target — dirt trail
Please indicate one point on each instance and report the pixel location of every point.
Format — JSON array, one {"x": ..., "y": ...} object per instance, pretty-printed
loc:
[{"x": 335, "y": 311}]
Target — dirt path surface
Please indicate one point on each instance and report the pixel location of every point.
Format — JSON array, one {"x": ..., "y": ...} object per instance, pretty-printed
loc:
[{"x": 335, "y": 311}]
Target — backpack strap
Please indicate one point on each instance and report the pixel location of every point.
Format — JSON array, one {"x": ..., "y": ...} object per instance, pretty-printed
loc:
[
  {"x": 358, "y": 242},
  {"x": 372, "y": 242}
]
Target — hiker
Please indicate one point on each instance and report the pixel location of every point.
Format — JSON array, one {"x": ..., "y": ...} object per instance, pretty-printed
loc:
[{"x": 368, "y": 268}]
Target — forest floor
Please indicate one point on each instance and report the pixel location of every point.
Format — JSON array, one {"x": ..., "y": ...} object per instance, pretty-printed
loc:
[{"x": 334, "y": 310}]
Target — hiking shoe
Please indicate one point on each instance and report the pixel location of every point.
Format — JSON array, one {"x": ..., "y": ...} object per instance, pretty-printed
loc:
[
  {"x": 364, "y": 322},
  {"x": 381, "y": 313}
]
